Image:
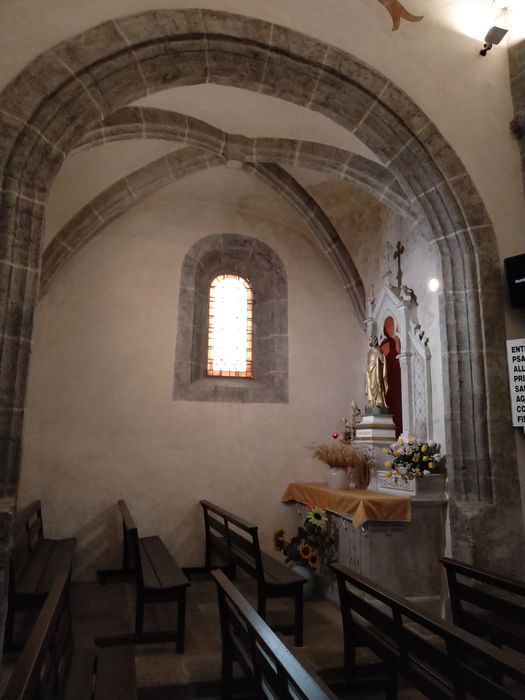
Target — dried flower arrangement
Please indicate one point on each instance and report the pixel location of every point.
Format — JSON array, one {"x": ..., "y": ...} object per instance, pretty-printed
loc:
[
  {"x": 342, "y": 455},
  {"x": 338, "y": 455}
]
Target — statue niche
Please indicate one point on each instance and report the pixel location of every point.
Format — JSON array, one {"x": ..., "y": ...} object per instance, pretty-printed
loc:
[{"x": 409, "y": 394}]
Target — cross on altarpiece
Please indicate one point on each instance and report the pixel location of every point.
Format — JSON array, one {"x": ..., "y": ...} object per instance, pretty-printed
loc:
[{"x": 398, "y": 252}]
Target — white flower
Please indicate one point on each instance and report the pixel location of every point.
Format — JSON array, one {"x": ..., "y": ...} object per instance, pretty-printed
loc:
[
  {"x": 402, "y": 470},
  {"x": 408, "y": 451},
  {"x": 394, "y": 446},
  {"x": 425, "y": 472}
]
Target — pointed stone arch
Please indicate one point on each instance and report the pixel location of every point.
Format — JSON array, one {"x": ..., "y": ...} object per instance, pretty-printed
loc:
[{"x": 81, "y": 81}]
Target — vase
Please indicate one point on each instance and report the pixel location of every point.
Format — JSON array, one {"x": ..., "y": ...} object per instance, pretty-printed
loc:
[
  {"x": 337, "y": 478},
  {"x": 308, "y": 574}
]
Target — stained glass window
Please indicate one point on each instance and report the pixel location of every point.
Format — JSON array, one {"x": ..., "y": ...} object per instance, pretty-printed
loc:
[{"x": 230, "y": 327}]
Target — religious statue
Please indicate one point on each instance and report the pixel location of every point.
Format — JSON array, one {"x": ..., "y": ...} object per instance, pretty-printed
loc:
[{"x": 376, "y": 379}]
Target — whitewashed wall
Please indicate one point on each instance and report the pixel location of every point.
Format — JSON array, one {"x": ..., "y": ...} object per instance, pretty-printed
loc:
[{"x": 101, "y": 423}]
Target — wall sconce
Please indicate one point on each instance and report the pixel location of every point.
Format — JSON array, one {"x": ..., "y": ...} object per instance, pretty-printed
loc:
[{"x": 493, "y": 36}]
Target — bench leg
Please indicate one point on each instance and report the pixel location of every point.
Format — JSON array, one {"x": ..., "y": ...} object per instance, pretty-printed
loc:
[
  {"x": 139, "y": 614},
  {"x": 391, "y": 688},
  {"x": 9, "y": 628},
  {"x": 181, "y": 622},
  {"x": 261, "y": 605},
  {"x": 299, "y": 618},
  {"x": 226, "y": 668},
  {"x": 207, "y": 556}
]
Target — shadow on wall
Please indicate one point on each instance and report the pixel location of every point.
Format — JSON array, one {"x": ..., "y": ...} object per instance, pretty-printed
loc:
[
  {"x": 186, "y": 539},
  {"x": 99, "y": 545}
]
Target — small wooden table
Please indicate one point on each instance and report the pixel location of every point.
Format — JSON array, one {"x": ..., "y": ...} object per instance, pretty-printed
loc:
[{"x": 361, "y": 504}]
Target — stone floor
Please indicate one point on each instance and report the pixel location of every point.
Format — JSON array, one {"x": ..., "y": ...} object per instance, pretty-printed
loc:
[{"x": 162, "y": 674}]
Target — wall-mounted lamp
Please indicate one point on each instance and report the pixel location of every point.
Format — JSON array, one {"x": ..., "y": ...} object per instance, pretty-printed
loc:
[{"x": 493, "y": 36}]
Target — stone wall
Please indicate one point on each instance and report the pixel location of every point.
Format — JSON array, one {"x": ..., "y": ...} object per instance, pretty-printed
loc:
[{"x": 517, "y": 84}]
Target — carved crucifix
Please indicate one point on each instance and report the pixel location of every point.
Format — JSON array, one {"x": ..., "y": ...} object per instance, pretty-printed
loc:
[
  {"x": 398, "y": 12},
  {"x": 398, "y": 252}
]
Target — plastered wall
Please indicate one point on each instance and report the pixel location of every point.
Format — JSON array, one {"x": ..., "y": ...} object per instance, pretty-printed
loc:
[{"x": 101, "y": 423}]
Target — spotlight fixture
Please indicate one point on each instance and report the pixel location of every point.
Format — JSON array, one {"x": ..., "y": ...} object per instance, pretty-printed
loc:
[{"x": 493, "y": 36}]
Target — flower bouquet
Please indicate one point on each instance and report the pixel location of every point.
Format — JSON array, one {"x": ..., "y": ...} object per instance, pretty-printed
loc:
[
  {"x": 414, "y": 459},
  {"x": 313, "y": 545}
]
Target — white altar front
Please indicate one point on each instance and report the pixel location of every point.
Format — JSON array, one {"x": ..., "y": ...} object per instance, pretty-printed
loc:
[{"x": 400, "y": 554}]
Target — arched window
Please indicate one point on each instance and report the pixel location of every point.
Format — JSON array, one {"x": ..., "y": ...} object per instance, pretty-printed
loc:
[
  {"x": 263, "y": 280},
  {"x": 230, "y": 327}
]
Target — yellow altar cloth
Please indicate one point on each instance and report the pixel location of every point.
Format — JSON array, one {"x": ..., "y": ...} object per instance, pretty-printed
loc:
[{"x": 361, "y": 504}]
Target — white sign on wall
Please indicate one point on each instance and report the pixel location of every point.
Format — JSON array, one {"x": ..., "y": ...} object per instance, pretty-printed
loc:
[{"x": 516, "y": 365}]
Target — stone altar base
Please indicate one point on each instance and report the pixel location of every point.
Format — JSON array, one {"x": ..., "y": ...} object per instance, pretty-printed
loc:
[{"x": 402, "y": 557}]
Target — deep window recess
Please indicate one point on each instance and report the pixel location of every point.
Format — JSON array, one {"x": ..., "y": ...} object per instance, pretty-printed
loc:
[
  {"x": 256, "y": 264},
  {"x": 230, "y": 327}
]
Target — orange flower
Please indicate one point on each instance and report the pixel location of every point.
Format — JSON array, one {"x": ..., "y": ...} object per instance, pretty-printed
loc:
[
  {"x": 314, "y": 560},
  {"x": 305, "y": 550}
]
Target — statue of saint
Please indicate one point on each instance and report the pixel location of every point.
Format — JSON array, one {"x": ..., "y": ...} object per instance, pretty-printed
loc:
[{"x": 376, "y": 379}]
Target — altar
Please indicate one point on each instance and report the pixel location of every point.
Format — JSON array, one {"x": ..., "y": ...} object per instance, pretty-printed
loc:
[{"x": 394, "y": 540}]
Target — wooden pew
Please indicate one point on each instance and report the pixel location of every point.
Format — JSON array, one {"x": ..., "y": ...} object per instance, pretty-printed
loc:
[
  {"x": 490, "y": 606},
  {"x": 34, "y": 564},
  {"x": 262, "y": 656},
  {"x": 49, "y": 666},
  {"x": 237, "y": 543},
  {"x": 436, "y": 657},
  {"x": 159, "y": 579}
]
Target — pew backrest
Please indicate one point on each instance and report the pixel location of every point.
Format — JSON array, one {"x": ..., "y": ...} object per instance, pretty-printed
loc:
[
  {"x": 263, "y": 657},
  {"x": 48, "y": 667},
  {"x": 234, "y": 538},
  {"x": 437, "y": 657},
  {"x": 35, "y": 562},
  {"x": 42, "y": 668},
  {"x": 28, "y": 533},
  {"x": 487, "y": 605},
  {"x": 131, "y": 548},
  {"x": 237, "y": 543}
]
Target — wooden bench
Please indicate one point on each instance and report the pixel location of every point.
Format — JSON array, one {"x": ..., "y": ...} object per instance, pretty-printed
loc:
[
  {"x": 490, "y": 606},
  {"x": 264, "y": 659},
  {"x": 35, "y": 562},
  {"x": 50, "y": 667},
  {"x": 159, "y": 579},
  {"x": 237, "y": 543},
  {"x": 436, "y": 657}
]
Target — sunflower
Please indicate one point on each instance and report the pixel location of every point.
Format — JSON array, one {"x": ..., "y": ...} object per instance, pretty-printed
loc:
[
  {"x": 305, "y": 550},
  {"x": 316, "y": 516},
  {"x": 314, "y": 560}
]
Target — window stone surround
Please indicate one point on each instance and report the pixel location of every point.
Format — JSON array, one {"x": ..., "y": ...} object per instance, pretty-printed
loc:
[{"x": 229, "y": 253}]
